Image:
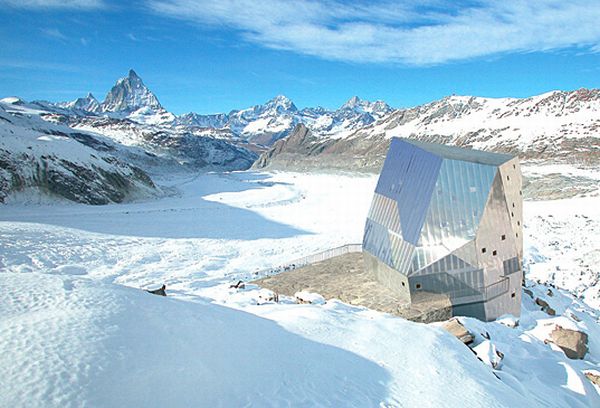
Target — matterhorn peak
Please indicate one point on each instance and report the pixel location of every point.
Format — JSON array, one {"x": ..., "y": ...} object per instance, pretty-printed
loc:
[{"x": 130, "y": 94}]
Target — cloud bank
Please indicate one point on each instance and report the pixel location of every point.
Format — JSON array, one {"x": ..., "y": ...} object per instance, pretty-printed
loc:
[{"x": 424, "y": 32}]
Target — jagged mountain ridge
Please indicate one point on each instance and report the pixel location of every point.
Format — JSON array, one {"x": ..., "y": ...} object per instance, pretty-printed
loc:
[
  {"x": 558, "y": 126},
  {"x": 258, "y": 126},
  {"x": 265, "y": 124}
]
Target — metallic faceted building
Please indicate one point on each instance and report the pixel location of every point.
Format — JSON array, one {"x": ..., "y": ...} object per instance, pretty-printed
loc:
[{"x": 448, "y": 220}]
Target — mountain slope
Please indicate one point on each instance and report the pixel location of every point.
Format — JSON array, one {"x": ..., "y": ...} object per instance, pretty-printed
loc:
[
  {"x": 558, "y": 126},
  {"x": 54, "y": 159}
]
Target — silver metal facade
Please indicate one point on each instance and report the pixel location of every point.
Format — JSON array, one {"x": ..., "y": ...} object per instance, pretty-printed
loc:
[{"x": 448, "y": 220}]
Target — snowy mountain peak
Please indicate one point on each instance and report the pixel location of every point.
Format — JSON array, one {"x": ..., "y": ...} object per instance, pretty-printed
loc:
[
  {"x": 130, "y": 94},
  {"x": 281, "y": 103},
  {"x": 377, "y": 108},
  {"x": 12, "y": 100},
  {"x": 87, "y": 104},
  {"x": 133, "y": 75},
  {"x": 351, "y": 103}
]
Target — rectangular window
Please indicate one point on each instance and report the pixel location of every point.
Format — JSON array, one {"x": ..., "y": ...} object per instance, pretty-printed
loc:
[
  {"x": 483, "y": 250},
  {"x": 503, "y": 237},
  {"x": 495, "y": 252}
]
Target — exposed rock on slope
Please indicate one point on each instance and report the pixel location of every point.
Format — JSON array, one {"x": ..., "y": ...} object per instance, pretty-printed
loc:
[
  {"x": 130, "y": 94},
  {"x": 59, "y": 161},
  {"x": 558, "y": 126},
  {"x": 304, "y": 151},
  {"x": 186, "y": 147}
]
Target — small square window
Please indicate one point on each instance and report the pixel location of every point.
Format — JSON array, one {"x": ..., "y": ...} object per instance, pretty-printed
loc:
[
  {"x": 418, "y": 286},
  {"x": 494, "y": 252},
  {"x": 507, "y": 177},
  {"x": 512, "y": 295},
  {"x": 503, "y": 237},
  {"x": 483, "y": 250},
  {"x": 403, "y": 284},
  {"x": 519, "y": 223}
]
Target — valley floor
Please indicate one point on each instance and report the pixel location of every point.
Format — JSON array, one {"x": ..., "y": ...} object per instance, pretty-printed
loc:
[{"x": 75, "y": 329}]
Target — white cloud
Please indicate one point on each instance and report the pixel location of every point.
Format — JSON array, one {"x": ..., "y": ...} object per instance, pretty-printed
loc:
[
  {"x": 54, "y": 4},
  {"x": 424, "y": 32},
  {"x": 54, "y": 33}
]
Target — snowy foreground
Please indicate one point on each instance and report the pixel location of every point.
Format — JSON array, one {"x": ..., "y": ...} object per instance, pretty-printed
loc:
[{"x": 76, "y": 330}]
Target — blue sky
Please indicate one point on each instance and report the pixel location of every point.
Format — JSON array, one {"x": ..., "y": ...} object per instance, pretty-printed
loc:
[{"x": 214, "y": 56}]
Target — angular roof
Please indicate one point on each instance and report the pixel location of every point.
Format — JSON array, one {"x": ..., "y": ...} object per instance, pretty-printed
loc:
[{"x": 461, "y": 153}]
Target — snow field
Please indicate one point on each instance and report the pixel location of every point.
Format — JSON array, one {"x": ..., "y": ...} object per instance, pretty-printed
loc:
[{"x": 73, "y": 334}]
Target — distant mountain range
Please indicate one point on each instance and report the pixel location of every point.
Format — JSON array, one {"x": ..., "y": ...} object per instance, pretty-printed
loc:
[
  {"x": 260, "y": 125},
  {"x": 140, "y": 132},
  {"x": 556, "y": 126}
]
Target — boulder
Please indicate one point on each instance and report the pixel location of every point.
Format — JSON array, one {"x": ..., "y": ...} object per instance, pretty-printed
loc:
[
  {"x": 308, "y": 297},
  {"x": 545, "y": 306},
  {"x": 160, "y": 291},
  {"x": 594, "y": 377},
  {"x": 454, "y": 327},
  {"x": 572, "y": 342},
  {"x": 267, "y": 296}
]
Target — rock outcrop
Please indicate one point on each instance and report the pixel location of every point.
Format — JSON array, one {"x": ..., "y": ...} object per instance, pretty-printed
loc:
[
  {"x": 454, "y": 327},
  {"x": 572, "y": 342}
]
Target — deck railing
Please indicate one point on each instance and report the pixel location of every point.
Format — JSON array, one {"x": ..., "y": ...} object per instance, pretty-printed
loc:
[{"x": 330, "y": 253}]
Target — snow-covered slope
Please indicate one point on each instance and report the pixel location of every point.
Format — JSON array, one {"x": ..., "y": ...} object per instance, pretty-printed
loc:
[
  {"x": 70, "y": 335},
  {"x": 97, "y": 159},
  {"x": 55, "y": 159},
  {"x": 196, "y": 149},
  {"x": 557, "y": 126},
  {"x": 553, "y": 120}
]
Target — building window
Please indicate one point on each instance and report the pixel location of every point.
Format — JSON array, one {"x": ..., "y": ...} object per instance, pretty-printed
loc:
[
  {"x": 503, "y": 237},
  {"x": 418, "y": 286},
  {"x": 403, "y": 284},
  {"x": 520, "y": 193},
  {"x": 494, "y": 252},
  {"x": 517, "y": 235},
  {"x": 512, "y": 214},
  {"x": 519, "y": 223},
  {"x": 513, "y": 205},
  {"x": 483, "y": 250},
  {"x": 512, "y": 295},
  {"x": 514, "y": 166},
  {"x": 507, "y": 177}
]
